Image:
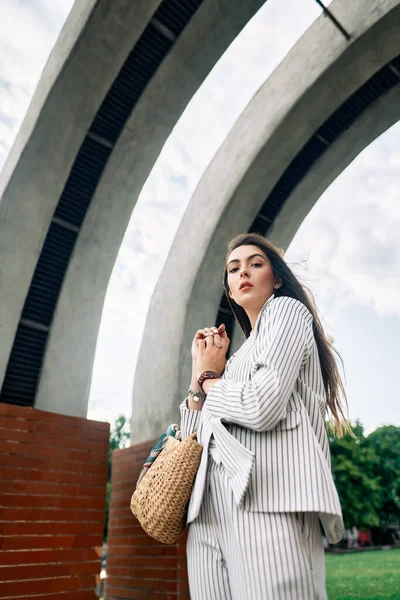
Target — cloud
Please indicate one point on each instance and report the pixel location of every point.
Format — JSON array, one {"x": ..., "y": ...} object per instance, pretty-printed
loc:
[{"x": 28, "y": 31}]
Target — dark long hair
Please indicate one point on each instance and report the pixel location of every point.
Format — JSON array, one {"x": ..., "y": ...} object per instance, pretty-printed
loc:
[{"x": 291, "y": 286}]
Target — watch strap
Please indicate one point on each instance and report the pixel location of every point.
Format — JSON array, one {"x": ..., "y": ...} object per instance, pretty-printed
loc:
[{"x": 207, "y": 375}]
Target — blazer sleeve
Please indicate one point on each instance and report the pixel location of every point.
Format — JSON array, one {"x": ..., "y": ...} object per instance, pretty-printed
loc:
[
  {"x": 190, "y": 420},
  {"x": 285, "y": 342}
]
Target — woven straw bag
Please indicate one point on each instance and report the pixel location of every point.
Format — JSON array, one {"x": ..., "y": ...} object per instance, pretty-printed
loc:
[{"x": 160, "y": 499}]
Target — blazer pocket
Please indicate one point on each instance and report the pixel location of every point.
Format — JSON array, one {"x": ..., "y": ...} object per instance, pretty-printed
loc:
[{"x": 292, "y": 419}]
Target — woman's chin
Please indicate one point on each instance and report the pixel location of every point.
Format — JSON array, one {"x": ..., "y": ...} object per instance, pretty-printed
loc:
[{"x": 249, "y": 303}]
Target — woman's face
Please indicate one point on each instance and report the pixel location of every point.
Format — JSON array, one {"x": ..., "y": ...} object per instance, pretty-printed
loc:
[{"x": 250, "y": 278}]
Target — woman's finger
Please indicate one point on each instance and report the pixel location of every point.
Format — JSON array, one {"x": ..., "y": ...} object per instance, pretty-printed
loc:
[
  {"x": 200, "y": 334},
  {"x": 209, "y": 341},
  {"x": 209, "y": 332},
  {"x": 222, "y": 332},
  {"x": 218, "y": 342}
]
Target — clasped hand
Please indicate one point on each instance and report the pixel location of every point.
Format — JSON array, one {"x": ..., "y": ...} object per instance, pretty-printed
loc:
[{"x": 209, "y": 348}]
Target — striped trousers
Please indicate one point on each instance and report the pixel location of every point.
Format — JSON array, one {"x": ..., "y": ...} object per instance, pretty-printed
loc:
[{"x": 239, "y": 555}]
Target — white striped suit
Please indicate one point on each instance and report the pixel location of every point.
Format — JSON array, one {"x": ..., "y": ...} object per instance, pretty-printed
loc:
[
  {"x": 235, "y": 554},
  {"x": 263, "y": 423}
]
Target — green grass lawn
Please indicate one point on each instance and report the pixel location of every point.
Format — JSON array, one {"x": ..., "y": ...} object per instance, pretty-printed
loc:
[{"x": 364, "y": 575}]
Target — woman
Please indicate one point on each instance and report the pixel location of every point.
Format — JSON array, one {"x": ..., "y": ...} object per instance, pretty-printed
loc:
[{"x": 264, "y": 481}]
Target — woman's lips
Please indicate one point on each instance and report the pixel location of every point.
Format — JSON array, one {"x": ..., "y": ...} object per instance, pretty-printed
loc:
[{"x": 246, "y": 287}]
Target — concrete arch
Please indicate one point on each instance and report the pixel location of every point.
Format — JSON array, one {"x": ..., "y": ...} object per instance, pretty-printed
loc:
[
  {"x": 318, "y": 76},
  {"x": 100, "y": 45},
  {"x": 94, "y": 43}
]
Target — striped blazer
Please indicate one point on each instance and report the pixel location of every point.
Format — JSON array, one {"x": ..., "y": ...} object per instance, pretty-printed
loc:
[{"x": 265, "y": 421}]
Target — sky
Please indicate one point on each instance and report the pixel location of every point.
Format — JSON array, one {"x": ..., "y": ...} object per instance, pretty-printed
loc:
[{"x": 347, "y": 248}]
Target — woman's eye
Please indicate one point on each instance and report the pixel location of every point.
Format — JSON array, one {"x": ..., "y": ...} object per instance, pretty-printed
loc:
[
  {"x": 233, "y": 270},
  {"x": 256, "y": 265}
]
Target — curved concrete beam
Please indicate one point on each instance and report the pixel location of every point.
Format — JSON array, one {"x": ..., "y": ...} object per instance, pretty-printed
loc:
[
  {"x": 318, "y": 75},
  {"x": 89, "y": 53},
  {"x": 66, "y": 374},
  {"x": 372, "y": 124}
]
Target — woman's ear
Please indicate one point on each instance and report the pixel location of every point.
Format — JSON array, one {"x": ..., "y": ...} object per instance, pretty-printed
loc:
[{"x": 277, "y": 284}]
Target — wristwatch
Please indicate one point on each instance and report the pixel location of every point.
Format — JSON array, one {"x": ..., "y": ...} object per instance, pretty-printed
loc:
[{"x": 207, "y": 375}]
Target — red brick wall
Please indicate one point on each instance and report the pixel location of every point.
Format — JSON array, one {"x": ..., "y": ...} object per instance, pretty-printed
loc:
[
  {"x": 138, "y": 567},
  {"x": 53, "y": 473}
]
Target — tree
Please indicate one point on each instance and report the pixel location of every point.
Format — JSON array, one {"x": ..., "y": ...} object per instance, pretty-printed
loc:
[
  {"x": 119, "y": 438},
  {"x": 355, "y": 467},
  {"x": 385, "y": 443}
]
